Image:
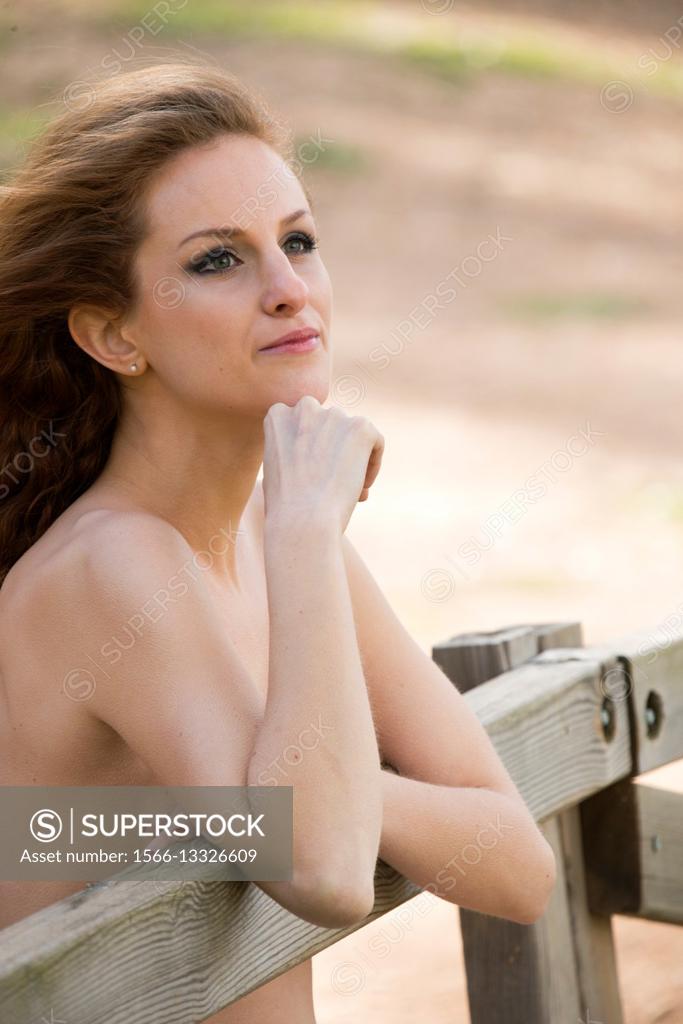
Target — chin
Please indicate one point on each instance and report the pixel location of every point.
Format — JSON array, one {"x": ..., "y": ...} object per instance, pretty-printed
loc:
[{"x": 315, "y": 384}]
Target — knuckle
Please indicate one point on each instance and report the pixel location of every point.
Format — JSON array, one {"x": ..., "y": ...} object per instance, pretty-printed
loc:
[
  {"x": 365, "y": 426},
  {"x": 338, "y": 417}
]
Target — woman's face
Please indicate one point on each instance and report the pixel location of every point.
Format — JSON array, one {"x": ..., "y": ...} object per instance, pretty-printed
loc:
[{"x": 207, "y": 305}]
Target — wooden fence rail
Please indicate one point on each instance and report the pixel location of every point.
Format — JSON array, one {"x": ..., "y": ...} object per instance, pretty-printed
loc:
[{"x": 573, "y": 726}]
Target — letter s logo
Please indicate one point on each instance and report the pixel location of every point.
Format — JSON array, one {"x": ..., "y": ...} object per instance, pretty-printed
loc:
[{"x": 46, "y": 825}]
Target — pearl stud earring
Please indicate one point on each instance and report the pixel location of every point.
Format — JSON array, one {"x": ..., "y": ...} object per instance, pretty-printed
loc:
[{"x": 133, "y": 366}]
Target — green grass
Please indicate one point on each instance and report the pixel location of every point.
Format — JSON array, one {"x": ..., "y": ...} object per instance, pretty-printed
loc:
[
  {"x": 18, "y": 127},
  {"x": 20, "y": 124},
  {"x": 545, "y": 306},
  {"x": 340, "y": 157},
  {"x": 438, "y": 45},
  {"x": 443, "y": 59},
  {"x": 10, "y": 34},
  {"x": 535, "y": 57},
  {"x": 433, "y": 43},
  {"x": 528, "y": 59},
  {"x": 315, "y": 21}
]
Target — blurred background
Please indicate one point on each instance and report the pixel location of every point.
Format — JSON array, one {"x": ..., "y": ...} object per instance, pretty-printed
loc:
[{"x": 498, "y": 192}]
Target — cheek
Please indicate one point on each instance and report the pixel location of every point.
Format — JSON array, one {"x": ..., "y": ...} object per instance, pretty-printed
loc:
[
  {"x": 321, "y": 294},
  {"x": 200, "y": 324},
  {"x": 201, "y": 350}
]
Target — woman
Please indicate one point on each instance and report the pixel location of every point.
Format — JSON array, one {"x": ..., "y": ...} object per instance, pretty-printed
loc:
[{"x": 155, "y": 249}]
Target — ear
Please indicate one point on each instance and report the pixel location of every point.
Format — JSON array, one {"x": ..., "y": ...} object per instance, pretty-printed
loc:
[{"x": 100, "y": 333}]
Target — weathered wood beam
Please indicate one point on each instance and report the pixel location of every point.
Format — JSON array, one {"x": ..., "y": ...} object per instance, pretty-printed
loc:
[
  {"x": 633, "y": 848},
  {"x": 145, "y": 952}
]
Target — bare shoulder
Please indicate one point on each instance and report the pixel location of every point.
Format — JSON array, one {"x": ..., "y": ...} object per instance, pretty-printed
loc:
[
  {"x": 108, "y": 534},
  {"x": 60, "y": 606},
  {"x": 125, "y": 548},
  {"x": 121, "y": 625},
  {"x": 101, "y": 545},
  {"x": 79, "y": 595}
]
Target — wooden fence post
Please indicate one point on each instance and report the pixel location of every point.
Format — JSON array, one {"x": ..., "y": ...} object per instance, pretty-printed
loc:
[{"x": 562, "y": 969}]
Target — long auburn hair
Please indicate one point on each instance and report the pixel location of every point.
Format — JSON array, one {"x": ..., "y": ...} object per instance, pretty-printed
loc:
[{"x": 71, "y": 221}]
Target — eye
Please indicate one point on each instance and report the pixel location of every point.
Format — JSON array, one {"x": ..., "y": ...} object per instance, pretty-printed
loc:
[
  {"x": 212, "y": 258},
  {"x": 306, "y": 239},
  {"x": 213, "y": 261}
]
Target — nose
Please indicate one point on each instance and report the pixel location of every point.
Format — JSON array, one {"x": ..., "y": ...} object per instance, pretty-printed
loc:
[{"x": 284, "y": 291}]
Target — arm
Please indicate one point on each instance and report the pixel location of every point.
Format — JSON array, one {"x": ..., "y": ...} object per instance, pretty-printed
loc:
[
  {"x": 453, "y": 784},
  {"x": 179, "y": 696},
  {"x": 315, "y": 676},
  {"x": 470, "y": 846}
]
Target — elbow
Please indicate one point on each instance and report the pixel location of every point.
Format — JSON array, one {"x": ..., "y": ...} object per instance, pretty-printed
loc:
[
  {"x": 336, "y": 887},
  {"x": 334, "y": 902},
  {"x": 538, "y": 895}
]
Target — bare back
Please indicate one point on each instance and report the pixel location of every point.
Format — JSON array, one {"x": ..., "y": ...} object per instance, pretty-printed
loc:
[{"x": 49, "y": 738}]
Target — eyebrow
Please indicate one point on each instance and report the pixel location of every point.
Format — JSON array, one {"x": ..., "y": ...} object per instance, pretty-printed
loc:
[{"x": 230, "y": 231}]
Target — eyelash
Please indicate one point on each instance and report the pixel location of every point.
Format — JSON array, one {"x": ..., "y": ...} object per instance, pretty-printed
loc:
[{"x": 309, "y": 240}]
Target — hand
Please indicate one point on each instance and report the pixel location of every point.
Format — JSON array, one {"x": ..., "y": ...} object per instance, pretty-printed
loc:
[{"x": 318, "y": 461}]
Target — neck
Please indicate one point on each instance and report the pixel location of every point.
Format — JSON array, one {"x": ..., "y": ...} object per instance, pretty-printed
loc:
[{"x": 198, "y": 472}]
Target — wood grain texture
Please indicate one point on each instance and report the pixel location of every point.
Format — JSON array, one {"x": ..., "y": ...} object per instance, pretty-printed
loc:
[
  {"x": 145, "y": 952},
  {"x": 544, "y": 719}
]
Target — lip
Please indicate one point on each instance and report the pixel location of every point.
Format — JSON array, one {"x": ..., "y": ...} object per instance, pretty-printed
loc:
[{"x": 303, "y": 340}]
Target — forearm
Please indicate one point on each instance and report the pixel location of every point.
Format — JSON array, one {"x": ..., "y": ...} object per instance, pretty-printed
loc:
[
  {"x": 317, "y": 733},
  {"x": 474, "y": 847}
]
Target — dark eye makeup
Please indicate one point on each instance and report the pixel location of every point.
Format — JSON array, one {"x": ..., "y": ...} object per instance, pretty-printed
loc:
[{"x": 208, "y": 262}]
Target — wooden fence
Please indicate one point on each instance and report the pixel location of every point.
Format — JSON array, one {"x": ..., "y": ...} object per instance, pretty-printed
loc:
[{"x": 573, "y": 726}]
